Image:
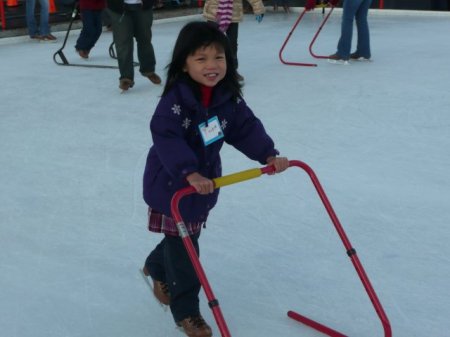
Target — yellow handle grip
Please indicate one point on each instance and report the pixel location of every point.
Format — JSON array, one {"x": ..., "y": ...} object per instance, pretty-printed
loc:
[{"x": 237, "y": 177}]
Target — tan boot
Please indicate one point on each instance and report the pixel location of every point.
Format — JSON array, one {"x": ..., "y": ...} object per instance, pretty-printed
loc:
[
  {"x": 195, "y": 327},
  {"x": 125, "y": 84},
  {"x": 83, "y": 53},
  {"x": 153, "y": 77},
  {"x": 160, "y": 289}
]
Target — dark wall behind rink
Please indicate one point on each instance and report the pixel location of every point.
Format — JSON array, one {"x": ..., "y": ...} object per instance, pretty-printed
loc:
[{"x": 441, "y": 5}]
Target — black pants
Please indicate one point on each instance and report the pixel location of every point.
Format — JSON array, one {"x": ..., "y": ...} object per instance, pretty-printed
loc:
[
  {"x": 128, "y": 26},
  {"x": 169, "y": 262},
  {"x": 232, "y": 33}
]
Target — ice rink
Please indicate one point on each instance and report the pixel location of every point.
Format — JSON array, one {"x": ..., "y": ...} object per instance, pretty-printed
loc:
[{"x": 73, "y": 223}]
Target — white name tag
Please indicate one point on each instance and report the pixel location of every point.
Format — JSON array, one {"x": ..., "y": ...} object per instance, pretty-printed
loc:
[{"x": 212, "y": 132}]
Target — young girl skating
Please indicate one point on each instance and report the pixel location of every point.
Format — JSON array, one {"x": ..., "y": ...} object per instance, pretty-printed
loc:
[{"x": 201, "y": 108}]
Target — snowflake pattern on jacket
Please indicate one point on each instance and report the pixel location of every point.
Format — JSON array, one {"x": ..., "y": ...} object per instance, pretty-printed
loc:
[{"x": 178, "y": 149}]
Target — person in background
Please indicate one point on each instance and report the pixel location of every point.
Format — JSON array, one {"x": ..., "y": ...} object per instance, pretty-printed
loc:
[
  {"x": 91, "y": 16},
  {"x": 158, "y": 4},
  {"x": 41, "y": 33},
  {"x": 283, "y": 3},
  {"x": 200, "y": 109},
  {"x": 133, "y": 19},
  {"x": 106, "y": 21},
  {"x": 351, "y": 10},
  {"x": 227, "y": 14}
]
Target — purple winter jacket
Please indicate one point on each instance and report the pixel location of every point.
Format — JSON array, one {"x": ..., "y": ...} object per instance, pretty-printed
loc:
[{"x": 178, "y": 149}]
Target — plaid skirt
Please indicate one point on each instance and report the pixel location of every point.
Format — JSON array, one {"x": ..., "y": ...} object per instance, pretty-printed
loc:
[{"x": 160, "y": 223}]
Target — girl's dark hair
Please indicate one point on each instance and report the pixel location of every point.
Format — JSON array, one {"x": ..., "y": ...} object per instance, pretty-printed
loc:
[{"x": 195, "y": 35}]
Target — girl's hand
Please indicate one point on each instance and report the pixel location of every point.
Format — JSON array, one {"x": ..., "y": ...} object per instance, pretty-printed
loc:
[
  {"x": 279, "y": 163},
  {"x": 201, "y": 184}
]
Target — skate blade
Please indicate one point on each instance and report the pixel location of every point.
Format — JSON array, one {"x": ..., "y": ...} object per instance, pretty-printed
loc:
[
  {"x": 179, "y": 328},
  {"x": 362, "y": 59},
  {"x": 341, "y": 62},
  {"x": 147, "y": 280}
]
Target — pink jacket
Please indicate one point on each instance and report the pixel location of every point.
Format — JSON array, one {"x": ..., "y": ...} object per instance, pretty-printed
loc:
[{"x": 210, "y": 9}]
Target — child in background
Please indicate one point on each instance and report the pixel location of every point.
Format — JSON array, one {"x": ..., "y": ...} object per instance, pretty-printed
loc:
[
  {"x": 283, "y": 3},
  {"x": 201, "y": 107},
  {"x": 228, "y": 14},
  {"x": 91, "y": 16}
]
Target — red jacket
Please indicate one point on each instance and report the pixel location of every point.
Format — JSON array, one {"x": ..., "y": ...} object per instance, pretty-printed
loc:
[{"x": 92, "y": 4}]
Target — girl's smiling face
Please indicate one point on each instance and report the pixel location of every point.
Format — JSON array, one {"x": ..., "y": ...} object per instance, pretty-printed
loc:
[{"x": 207, "y": 65}]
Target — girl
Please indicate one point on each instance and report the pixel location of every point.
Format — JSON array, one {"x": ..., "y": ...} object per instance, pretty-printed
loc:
[{"x": 201, "y": 108}]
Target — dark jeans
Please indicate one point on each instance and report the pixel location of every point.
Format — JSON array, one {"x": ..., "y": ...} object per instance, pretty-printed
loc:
[
  {"x": 354, "y": 10},
  {"x": 91, "y": 31},
  {"x": 129, "y": 26},
  {"x": 169, "y": 262}
]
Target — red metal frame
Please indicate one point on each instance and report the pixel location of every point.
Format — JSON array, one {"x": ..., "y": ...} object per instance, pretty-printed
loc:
[
  {"x": 2, "y": 14},
  {"x": 212, "y": 301},
  {"x": 317, "y": 34},
  {"x": 280, "y": 54}
]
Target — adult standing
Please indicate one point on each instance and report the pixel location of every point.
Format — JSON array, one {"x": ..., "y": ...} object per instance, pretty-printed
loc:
[
  {"x": 41, "y": 33},
  {"x": 353, "y": 10},
  {"x": 133, "y": 19}
]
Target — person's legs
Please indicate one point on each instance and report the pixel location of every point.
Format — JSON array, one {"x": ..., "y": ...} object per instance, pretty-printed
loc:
[
  {"x": 363, "y": 45},
  {"x": 97, "y": 27},
  {"x": 349, "y": 8},
  {"x": 169, "y": 262},
  {"x": 155, "y": 263},
  {"x": 123, "y": 40},
  {"x": 106, "y": 20},
  {"x": 184, "y": 285},
  {"x": 30, "y": 18},
  {"x": 143, "y": 21},
  {"x": 91, "y": 31},
  {"x": 232, "y": 34},
  {"x": 83, "y": 39},
  {"x": 44, "y": 27},
  {"x": 154, "y": 267}
]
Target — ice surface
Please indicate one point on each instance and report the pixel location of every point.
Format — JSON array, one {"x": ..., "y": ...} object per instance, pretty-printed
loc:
[{"x": 73, "y": 223}]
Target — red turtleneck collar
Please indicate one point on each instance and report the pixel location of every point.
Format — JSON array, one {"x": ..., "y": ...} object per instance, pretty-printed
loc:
[{"x": 206, "y": 95}]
